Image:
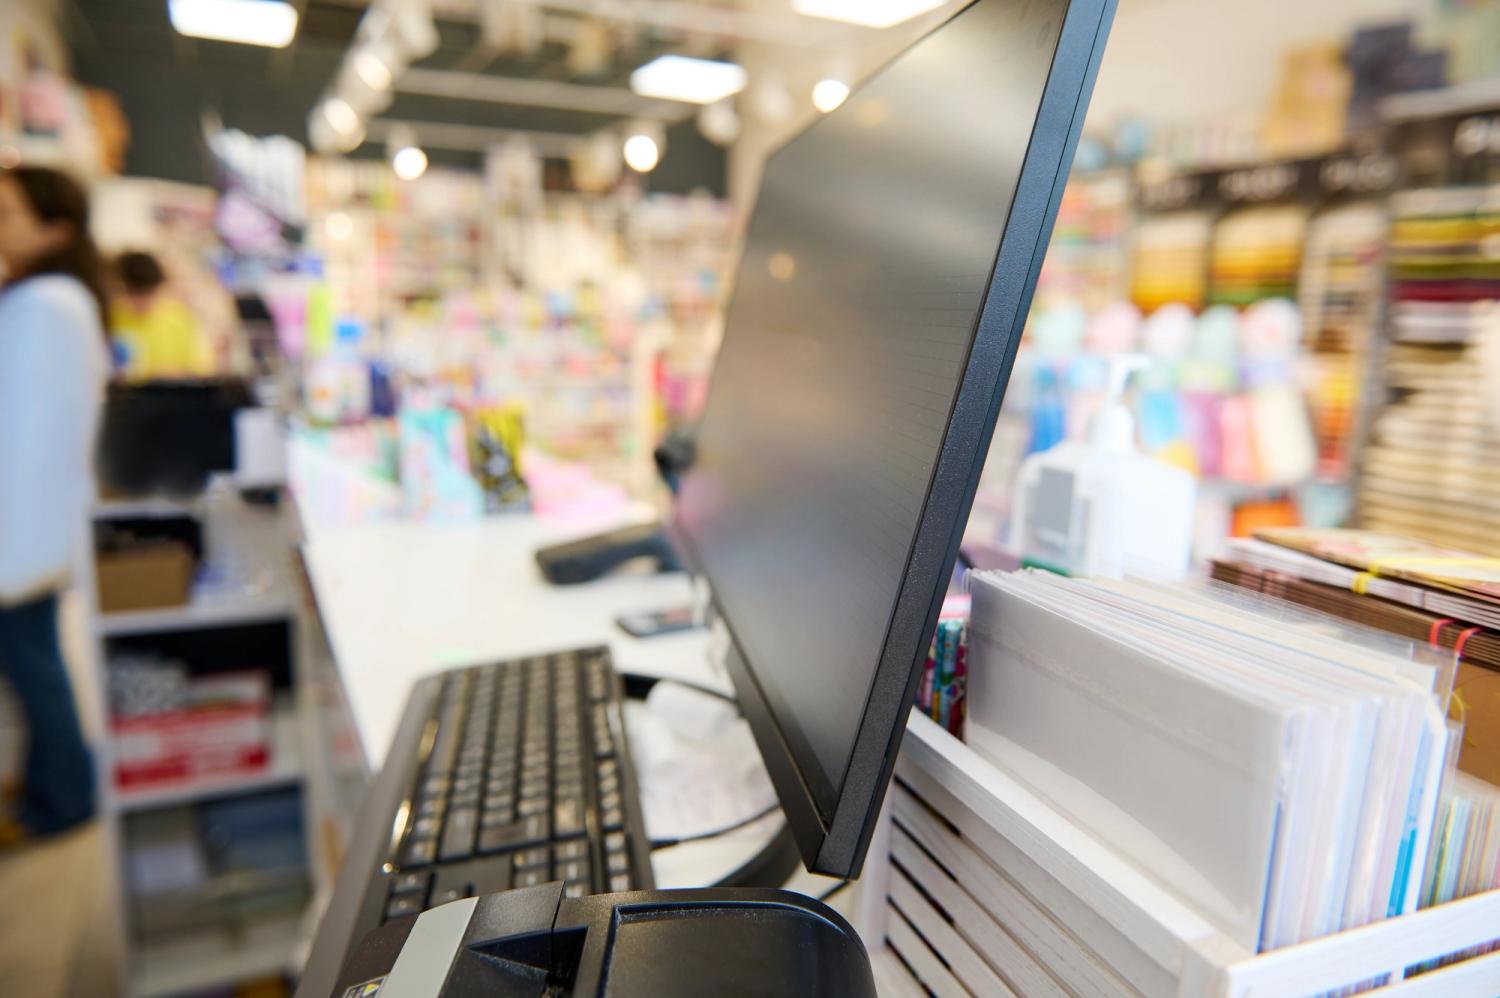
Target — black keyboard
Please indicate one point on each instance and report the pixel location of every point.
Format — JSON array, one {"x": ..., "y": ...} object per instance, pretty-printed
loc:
[{"x": 521, "y": 778}]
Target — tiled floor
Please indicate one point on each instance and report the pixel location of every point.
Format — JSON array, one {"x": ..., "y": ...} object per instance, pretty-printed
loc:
[{"x": 58, "y": 937}]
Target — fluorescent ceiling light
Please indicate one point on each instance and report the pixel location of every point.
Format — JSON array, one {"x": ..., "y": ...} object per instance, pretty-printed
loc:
[
  {"x": 869, "y": 13},
  {"x": 271, "y": 23},
  {"x": 682, "y": 78}
]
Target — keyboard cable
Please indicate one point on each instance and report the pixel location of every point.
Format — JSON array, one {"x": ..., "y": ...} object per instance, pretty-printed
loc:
[{"x": 701, "y": 836}]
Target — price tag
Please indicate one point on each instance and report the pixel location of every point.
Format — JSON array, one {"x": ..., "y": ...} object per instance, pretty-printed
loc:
[{"x": 1258, "y": 183}]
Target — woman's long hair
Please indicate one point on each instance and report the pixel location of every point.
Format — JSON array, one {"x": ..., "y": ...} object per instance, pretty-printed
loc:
[{"x": 57, "y": 197}]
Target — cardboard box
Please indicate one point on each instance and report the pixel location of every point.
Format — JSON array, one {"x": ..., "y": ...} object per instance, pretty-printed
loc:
[{"x": 144, "y": 577}]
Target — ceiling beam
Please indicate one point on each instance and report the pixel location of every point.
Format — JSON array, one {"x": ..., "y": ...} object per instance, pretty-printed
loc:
[
  {"x": 537, "y": 93},
  {"x": 470, "y": 138}
]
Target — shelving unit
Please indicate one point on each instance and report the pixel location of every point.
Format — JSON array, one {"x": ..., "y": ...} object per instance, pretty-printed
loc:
[
  {"x": 215, "y": 959},
  {"x": 205, "y": 611},
  {"x": 243, "y": 951}
]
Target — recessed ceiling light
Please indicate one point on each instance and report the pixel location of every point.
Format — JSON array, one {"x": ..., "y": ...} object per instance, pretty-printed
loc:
[
  {"x": 271, "y": 23},
  {"x": 642, "y": 153},
  {"x": 829, "y": 94},
  {"x": 682, "y": 78},
  {"x": 868, "y": 13},
  {"x": 372, "y": 70},
  {"x": 409, "y": 163}
]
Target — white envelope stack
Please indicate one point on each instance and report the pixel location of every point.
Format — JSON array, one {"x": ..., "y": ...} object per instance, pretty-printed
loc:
[{"x": 1276, "y": 769}]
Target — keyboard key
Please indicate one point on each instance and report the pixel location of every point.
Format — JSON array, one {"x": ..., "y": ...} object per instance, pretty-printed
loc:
[
  {"x": 448, "y": 895},
  {"x": 567, "y": 817},
  {"x": 615, "y": 841},
  {"x": 503, "y": 815},
  {"x": 425, "y": 828},
  {"x": 619, "y": 882},
  {"x": 575, "y": 889},
  {"x": 531, "y": 805},
  {"x": 404, "y": 906},
  {"x": 575, "y": 869},
  {"x": 413, "y": 882},
  {"x": 420, "y": 852},
  {"x": 526, "y": 832},
  {"x": 530, "y": 878},
  {"x": 617, "y": 862},
  {"x": 564, "y": 851},
  {"x": 535, "y": 856},
  {"x": 458, "y": 834},
  {"x": 613, "y": 818}
]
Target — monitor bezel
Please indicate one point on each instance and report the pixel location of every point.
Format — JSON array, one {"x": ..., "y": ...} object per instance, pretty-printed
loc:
[{"x": 837, "y": 846}]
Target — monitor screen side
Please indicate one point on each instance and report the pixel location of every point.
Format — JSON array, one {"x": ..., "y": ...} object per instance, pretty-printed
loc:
[{"x": 871, "y": 262}]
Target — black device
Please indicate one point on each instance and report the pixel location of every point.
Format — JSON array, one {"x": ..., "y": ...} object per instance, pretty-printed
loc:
[
  {"x": 886, "y": 277},
  {"x": 588, "y": 558},
  {"x": 655, "y": 623},
  {"x": 888, "y": 269},
  {"x": 668, "y": 944},
  {"x": 500, "y": 776}
]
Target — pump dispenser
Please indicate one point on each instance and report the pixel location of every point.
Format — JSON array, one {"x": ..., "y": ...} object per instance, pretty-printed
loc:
[{"x": 1099, "y": 507}]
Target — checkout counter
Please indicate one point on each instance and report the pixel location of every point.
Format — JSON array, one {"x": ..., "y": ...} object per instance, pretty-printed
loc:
[{"x": 397, "y": 600}]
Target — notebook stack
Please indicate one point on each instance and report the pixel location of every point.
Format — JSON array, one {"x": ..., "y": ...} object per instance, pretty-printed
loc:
[{"x": 1440, "y": 597}]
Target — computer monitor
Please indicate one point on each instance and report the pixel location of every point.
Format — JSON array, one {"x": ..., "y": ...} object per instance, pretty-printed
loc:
[{"x": 886, "y": 277}]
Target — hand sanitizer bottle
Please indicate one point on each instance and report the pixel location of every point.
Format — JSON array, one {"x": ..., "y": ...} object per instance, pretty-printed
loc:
[{"x": 1099, "y": 507}]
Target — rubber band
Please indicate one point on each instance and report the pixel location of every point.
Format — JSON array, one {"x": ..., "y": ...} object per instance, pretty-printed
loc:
[
  {"x": 1360, "y": 582},
  {"x": 1463, "y": 639},
  {"x": 1436, "y": 631}
]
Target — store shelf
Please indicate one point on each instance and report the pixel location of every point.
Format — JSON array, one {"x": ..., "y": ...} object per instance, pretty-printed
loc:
[
  {"x": 151, "y": 507},
  {"x": 1464, "y": 98},
  {"x": 216, "y": 959},
  {"x": 204, "y": 611},
  {"x": 285, "y": 769}
]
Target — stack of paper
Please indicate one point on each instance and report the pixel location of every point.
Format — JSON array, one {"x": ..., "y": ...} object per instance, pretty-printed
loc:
[
  {"x": 1277, "y": 770},
  {"x": 1465, "y": 856}
]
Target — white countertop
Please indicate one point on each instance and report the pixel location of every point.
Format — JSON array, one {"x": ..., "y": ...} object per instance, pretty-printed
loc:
[{"x": 401, "y": 599}]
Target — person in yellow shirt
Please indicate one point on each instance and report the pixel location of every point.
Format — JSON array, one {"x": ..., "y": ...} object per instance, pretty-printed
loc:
[{"x": 156, "y": 336}]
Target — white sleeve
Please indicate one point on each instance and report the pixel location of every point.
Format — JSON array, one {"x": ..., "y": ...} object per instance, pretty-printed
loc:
[{"x": 42, "y": 386}]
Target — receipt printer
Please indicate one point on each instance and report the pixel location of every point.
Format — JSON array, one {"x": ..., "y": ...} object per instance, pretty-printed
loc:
[{"x": 666, "y": 944}]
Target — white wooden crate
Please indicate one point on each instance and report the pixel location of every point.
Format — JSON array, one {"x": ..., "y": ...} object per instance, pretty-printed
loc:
[{"x": 974, "y": 885}]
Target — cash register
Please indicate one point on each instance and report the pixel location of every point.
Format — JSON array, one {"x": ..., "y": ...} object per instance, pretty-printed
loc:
[{"x": 887, "y": 272}]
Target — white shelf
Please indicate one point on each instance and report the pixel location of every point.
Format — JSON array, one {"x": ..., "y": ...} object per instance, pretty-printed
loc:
[
  {"x": 1464, "y": 98},
  {"x": 214, "y": 959},
  {"x": 151, "y": 507},
  {"x": 203, "y": 611},
  {"x": 284, "y": 769}
]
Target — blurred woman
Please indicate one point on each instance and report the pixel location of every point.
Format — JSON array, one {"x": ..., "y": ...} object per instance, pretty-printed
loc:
[
  {"x": 157, "y": 336},
  {"x": 53, "y": 367}
]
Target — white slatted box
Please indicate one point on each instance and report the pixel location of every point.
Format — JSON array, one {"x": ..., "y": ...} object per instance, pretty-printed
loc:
[{"x": 974, "y": 885}]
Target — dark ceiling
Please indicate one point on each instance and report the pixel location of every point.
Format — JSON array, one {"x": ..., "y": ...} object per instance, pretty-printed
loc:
[{"x": 166, "y": 83}]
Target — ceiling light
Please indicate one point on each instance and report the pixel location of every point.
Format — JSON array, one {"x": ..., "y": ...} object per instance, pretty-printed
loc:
[
  {"x": 642, "y": 153},
  {"x": 868, "y": 13},
  {"x": 829, "y": 94},
  {"x": 340, "y": 115},
  {"x": 681, "y": 78},
  {"x": 271, "y": 23},
  {"x": 409, "y": 163},
  {"x": 372, "y": 71}
]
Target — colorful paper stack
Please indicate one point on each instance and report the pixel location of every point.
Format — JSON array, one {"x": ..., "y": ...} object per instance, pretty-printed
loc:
[
  {"x": 1430, "y": 469},
  {"x": 1256, "y": 254},
  {"x": 941, "y": 695}
]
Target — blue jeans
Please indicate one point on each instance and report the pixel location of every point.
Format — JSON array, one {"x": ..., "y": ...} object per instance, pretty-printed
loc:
[{"x": 59, "y": 787}]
